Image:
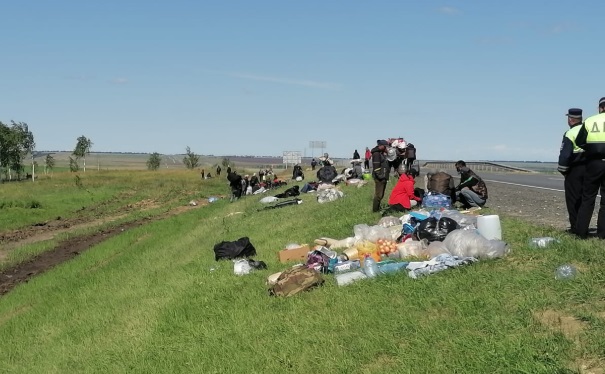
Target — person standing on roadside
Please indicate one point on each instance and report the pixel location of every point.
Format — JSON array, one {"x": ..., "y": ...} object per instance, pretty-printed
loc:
[
  {"x": 218, "y": 170},
  {"x": 380, "y": 172},
  {"x": 591, "y": 138},
  {"x": 356, "y": 155},
  {"x": 572, "y": 164},
  {"x": 368, "y": 156}
]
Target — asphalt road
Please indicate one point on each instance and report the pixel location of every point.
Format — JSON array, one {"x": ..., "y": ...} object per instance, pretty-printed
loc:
[{"x": 552, "y": 182}]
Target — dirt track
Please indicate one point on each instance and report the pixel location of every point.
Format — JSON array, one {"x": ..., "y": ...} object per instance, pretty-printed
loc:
[{"x": 67, "y": 249}]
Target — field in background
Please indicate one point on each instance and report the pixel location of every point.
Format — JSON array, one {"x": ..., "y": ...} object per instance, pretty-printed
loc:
[{"x": 134, "y": 161}]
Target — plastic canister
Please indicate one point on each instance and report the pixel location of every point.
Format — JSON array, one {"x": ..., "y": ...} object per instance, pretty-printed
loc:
[{"x": 489, "y": 227}]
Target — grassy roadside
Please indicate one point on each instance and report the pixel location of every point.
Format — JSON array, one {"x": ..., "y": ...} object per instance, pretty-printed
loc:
[{"x": 149, "y": 301}]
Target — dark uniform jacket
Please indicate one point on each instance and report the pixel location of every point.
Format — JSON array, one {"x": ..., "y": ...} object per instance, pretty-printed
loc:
[{"x": 380, "y": 165}]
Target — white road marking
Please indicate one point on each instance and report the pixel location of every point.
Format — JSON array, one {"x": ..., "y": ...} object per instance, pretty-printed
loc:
[
  {"x": 525, "y": 185},
  {"x": 556, "y": 179}
]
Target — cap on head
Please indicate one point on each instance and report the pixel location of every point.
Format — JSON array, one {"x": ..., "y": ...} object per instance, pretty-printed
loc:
[
  {"x": 382, "y": 142},
  {"x": 602, "y": 101},
  {"x": 575, "y": 113}
]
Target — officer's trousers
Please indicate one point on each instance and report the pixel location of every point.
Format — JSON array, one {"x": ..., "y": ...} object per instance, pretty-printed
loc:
[
  {"x": 574, "y": 181},
  {"x": 594, "y": 179}
]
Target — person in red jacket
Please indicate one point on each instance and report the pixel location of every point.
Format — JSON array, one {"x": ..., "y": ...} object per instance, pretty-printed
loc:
[{"x": 402, "y": 197}]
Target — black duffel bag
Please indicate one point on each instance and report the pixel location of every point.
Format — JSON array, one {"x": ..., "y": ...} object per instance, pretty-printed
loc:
[{"x": 230, "y": 250}]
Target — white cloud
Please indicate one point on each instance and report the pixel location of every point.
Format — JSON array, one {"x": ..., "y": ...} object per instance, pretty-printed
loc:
[
  {"x": 297, "y": 82},
  {"x": 449, "y": 10},
  {"x": 119, "y": 80},
  {"x": 500, "y": 147}
]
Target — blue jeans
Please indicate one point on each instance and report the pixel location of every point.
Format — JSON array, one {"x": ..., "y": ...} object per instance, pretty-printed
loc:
[{"x": 469, "y": 198}]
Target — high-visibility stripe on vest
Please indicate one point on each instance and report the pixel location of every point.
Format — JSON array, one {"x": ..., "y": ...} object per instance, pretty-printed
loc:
[{"x": 571, "y": 134}]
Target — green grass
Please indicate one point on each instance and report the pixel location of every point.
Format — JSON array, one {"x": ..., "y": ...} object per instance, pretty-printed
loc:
[{"x": 153, "y": 300}]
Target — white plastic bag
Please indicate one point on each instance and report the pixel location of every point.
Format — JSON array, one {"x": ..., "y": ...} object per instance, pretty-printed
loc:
[
  {"x": 469, "y": 243},
  {"x": 268, "y": 199},
  {"x": 241, "y": 267}
]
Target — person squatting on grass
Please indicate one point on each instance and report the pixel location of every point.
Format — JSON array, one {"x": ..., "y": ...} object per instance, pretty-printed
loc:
[
  {"x": 402, "y": 197},
  {"x": 472, "y": 190}
]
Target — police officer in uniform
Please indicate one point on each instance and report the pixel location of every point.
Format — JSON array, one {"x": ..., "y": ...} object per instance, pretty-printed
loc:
[
  {"x": 591, "y": 138},
  {"x": 572, "y": 164}
]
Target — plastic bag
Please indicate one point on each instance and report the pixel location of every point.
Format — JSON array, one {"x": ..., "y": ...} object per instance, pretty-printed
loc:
[
  {"x": 327, "y": 195},
  {"x": 268, "y": 199},
  {"x": 435, "y": 230},
  {"x": 436, "y": 248},
  {"x": 436, "y": 200},
  {"x": 413, "y": 248},
  {"x": 378, "y": 232},
  {"x": 241, "y": 267},
  {"x": 469, "y": 243},
  {"x": 464, "y": 220},
  {"x": 389, "y": 221}
]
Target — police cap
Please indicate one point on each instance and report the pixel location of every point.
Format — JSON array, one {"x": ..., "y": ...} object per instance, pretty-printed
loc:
[
  {"x": 574, "y": 113},
  {"x": 602, "y": 101}
]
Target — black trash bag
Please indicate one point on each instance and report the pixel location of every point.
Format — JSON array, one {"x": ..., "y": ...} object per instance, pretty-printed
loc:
[
  {"x": 434, "y": 230},
  {"x": 284, "y": 203},
  {"x": 290, "y": 192},
  {"x": 258, "y": 265},
  {"x": 230, "y": 250}
]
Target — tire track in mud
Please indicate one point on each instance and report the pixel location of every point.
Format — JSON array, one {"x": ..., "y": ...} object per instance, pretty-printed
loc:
[{"x": 72, "y": 247}]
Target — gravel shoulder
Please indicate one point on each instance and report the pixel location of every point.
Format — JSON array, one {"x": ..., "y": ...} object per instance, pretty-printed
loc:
[{"x": 537, "y": 206}]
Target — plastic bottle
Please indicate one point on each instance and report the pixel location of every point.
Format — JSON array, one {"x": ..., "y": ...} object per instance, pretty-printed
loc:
[
  {"x": 392, "y": 267},
  {"x": 566, "y": 271},
  {"x": 370, "y": 267},
  {"x": 542, "y": 242}
]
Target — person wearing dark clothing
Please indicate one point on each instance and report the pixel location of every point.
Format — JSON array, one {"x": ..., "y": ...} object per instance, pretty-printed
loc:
[
  {"x": 380, "y": 172},
  {"x": 472, "y": 190},
  {"x": 228, "y": 170},
  {"x": 572, "y": 164},
  {"x": 202, "y": 174},
  {"x": 254, "y": 180},
  {"x": 297, "y": 172},
  {"x": 326, "y": 174},
  {"x": 368, "y": 156},
  {"x": 313, "y": 164},
  {"x": 218, "y": 170},
  {"x": 235, "y": 182},
  {"x": 356, "y": 155},
  {"x": 591, "y": 138}
]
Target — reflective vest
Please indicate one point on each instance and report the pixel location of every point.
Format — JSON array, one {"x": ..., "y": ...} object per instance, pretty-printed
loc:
[
  {"x": 571, "y": 134},
  {"x": 595, "y": 127}
]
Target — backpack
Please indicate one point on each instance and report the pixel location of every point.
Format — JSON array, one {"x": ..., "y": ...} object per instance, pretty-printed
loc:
[{"x": 296, "y": 280}]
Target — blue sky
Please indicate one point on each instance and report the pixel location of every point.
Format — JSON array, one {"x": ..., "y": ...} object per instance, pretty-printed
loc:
[{"x": 461, "y": 80}]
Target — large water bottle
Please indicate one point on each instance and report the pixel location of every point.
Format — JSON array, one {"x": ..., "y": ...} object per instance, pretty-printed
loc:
[{"x": 370, "y": 267}]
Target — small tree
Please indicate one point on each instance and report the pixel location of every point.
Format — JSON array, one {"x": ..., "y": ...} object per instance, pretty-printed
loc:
[
  {"x": 191, "y": 160},
  {"x": 154, "y": 161},
  {"x": 73, "y": 165},
  {"x": 225, "y": 162},
  {"x": 49, "y": 163},
  {"x": 82, "y": 149}
]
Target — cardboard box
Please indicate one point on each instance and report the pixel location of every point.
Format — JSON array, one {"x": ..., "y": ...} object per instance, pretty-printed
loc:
[{"x": 297, "y": 254}]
